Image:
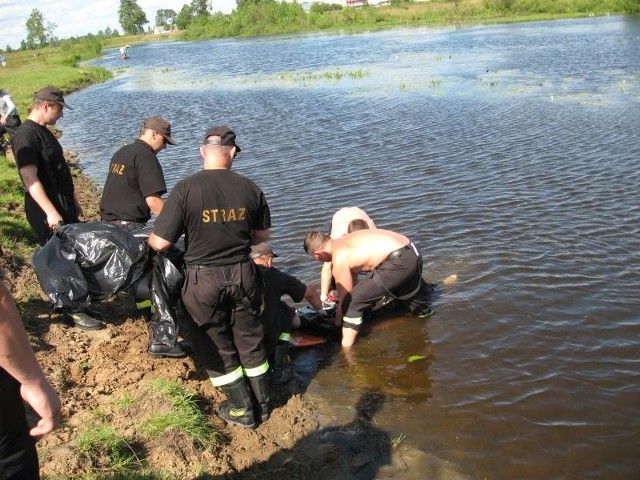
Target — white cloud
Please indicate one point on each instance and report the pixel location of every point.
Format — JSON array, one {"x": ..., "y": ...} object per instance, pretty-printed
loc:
[{"x": 79, "y": 17}]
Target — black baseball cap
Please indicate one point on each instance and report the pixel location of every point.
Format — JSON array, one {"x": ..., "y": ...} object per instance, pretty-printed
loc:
[
  {"x": 227, "y": 137},
  {"x": 261, "y": 249},
  {"x": 160, "y": 125},
  {"x": 51, "y": 94}
]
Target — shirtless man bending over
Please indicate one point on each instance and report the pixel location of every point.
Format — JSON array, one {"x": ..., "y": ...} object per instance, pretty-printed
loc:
[{"x": 395, "y": 268}]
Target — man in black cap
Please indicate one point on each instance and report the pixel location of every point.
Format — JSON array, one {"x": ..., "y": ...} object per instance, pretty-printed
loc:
[
  {"x": 222, "y": 214},
  {"x": 131, "y": 194},
  {"x": 135, "y": 182},
  {"x": 49, "y": 193},
  {"x": 278, "y": 318}
]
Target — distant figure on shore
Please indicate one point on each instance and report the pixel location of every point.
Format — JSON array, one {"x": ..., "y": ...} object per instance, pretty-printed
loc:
[
  {"x": 123, "y": 52},
  {"x": 9, "y": 119}
]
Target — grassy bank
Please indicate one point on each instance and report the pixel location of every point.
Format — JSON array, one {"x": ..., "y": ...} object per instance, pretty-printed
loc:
[
  {"x": 15, "y": 232},
  {"x": 28, "y": 71}
]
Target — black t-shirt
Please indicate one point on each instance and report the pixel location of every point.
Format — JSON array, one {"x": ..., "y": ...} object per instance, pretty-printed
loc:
[
  {"x": 276, "y": 284},
  {"x": 217, "y": 210},
  {"x": 34, "y": 144},
  {"x": 277, "y": 315},
  {"x": 134, "y": 173}
]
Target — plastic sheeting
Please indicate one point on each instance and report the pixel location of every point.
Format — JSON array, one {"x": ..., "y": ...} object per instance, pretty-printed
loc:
[{"x": 90, "y": 261}]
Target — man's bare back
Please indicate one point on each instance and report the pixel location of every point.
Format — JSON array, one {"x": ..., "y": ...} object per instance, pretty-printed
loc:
[{"x": 364, "y": 250}]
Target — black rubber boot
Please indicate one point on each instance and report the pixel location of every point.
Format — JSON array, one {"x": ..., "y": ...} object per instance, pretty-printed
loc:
[
  {"x": 260, "y": 387},
  {"x": 280, "y": 373},
  {"x": 238, "y": 408}
]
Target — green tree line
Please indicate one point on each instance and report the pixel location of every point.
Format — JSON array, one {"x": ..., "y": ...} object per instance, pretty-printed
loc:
[{"x": 270, "y": 17}]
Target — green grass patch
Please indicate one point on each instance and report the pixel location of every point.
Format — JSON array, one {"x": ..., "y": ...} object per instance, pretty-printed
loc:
[
  {"x": 28, "y": 71},
  {"x": 160, "y": 406},
  {"x": 16, "y": 236},
  {"x": 184, "y": 415},
  {"x": 124, "y": 401},
  {"x": 331, "y": 75},
  {"x": 106, "y": 450}
]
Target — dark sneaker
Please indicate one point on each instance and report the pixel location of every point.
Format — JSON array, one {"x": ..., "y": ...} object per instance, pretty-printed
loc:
[
  {"x": 161, "y": 350},
  {"x": 83, "y": 320}
]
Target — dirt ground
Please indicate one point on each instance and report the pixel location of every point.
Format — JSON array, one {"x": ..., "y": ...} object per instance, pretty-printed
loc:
[{"x": 93, "y": 370}]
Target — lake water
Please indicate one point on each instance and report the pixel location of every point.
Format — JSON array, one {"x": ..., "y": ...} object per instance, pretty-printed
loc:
[{"x": 510, "y": 154}]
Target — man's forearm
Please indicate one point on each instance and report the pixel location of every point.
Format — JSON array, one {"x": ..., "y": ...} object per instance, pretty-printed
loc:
[{"x": 16, "y": 354}]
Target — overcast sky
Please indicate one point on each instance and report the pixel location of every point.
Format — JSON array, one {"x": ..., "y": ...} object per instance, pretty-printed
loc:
[{"x": 79, "y": 17}]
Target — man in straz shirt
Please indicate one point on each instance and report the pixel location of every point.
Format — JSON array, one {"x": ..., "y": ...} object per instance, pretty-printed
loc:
[
  {"x": 222, "y": 214},
  {"x": 135, "y": 182},
  {"x": 131, "y": 194}
]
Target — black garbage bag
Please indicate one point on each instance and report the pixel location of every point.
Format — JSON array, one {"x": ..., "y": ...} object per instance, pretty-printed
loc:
[
  {"x": 161, "y": 284},
  {"x": 89, "y": 261},
  {"x": 166, "y": 282},
  {"x": 60, "y": 276}
]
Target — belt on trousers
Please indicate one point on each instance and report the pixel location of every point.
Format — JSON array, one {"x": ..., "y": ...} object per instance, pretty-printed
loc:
[
  {"x": 398, "y": 252},
  {"x": 203, "y": 267}
]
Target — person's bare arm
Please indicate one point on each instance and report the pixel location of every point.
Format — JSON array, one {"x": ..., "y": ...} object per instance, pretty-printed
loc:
[
  {"x": 19, "y": 360},
  {"x": 159, "y": 244},
  {"x": 325, "y": 280},
  {"x": 313, "y": 297},
  {"x": 341, "y": 272},
  {"x": 155, "y": 204},
  {"x": 33, "y": 185}
]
